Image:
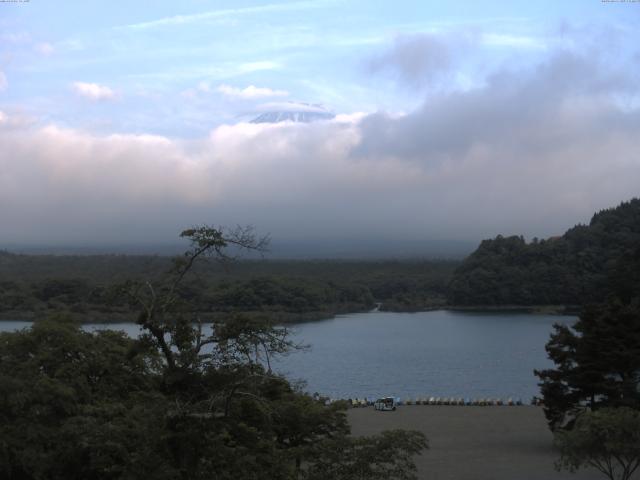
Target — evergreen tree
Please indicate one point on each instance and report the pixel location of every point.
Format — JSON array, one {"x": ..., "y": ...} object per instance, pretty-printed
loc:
[
  {"x": 597, "y": 362},
  {"x": 580, "y": 267}
]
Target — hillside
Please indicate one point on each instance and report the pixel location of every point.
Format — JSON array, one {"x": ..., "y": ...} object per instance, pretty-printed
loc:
[{"x": 584, "y": 265}]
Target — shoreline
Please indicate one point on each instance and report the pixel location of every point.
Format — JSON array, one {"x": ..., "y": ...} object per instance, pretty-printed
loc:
[
  {"x": 569, "y": 310},
  {"x": 293, "y": 318}
]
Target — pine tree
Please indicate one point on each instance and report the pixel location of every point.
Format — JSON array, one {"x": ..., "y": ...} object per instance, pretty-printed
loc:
[{"x": 597, "y": 363}]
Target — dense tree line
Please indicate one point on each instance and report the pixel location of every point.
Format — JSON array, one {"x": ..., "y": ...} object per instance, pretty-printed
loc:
[
  {"x": 78, "y": 405},
  {"x": 592, "y": 394},
  {"x": 574, "y": 269},
  {"x": 32, "y": 286}
]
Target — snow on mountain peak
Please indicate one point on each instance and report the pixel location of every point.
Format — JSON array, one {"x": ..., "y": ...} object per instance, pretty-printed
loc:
[{"x": 292, "y": 112}]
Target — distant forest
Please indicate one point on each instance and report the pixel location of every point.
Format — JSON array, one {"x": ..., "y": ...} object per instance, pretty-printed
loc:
[
  {"x": 582, "y": 266},
  {"x": 32, "y": 286}
]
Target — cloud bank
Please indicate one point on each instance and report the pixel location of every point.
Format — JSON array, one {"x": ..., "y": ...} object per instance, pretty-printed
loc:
[
  {"x": 530, "y": 152},
  {"x": 414, "y": 59}
]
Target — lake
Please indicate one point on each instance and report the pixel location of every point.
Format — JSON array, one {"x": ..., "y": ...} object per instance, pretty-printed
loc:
[{"x": 437, "y": 353}]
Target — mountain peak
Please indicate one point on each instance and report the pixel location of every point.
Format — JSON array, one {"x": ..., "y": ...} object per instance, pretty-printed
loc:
[{"x": 293, "y": 112}]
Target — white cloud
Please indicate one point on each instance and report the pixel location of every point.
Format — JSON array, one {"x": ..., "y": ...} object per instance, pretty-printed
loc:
[
  {"x": 224, "y": 13},
  {"x": 16, "y": 37},
  {"x": 258, "y": 66},
  {"x": 71, "y": 45},
  {"x": 15, "y": 120},
  {"x": 531, "y": 152},
  {"x": 250, "y": 92},
  {"x": 44, "y": 48},
  {"x": 203, "y": 87},
  {"x": 93, "y": 91},
  {"x": 291, "y": 107},
  {"x": 512, "y": 41}
]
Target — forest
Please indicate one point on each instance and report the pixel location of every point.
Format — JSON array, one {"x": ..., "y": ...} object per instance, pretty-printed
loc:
[
  {"x": 181, "y": 401},
  {"x": 33, "y": 286},
  {"x": 584, "y": 265}
]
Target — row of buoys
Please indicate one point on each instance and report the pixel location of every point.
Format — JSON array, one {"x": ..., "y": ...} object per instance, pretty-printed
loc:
[
  {"x": 462, "y": 401},
  {"x": 360, "y": 402},
  {"x": 365, "y": 402}
]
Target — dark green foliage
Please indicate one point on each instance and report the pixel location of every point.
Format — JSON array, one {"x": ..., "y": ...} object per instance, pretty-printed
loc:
[
  {"x": 33, "y": 286},
  {"x": 598, "y": 359},
  {"x": 574, "y": 269},
  {"x": 389, "y": 455},
  {"x": 597, "y": 363},
  {"x": 75, "y": 403},
  {"x": 288, "y": 294},
  {"x": 184, "y": 401},
  {"x": 607, "y": 439}
]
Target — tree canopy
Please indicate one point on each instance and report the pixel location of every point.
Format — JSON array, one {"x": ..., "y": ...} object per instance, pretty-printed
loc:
[
  {"x": 606, "y": 439},
  {"x": 185, "y": 400},
  {"x": 34, "y": 286},
  {"x": 576, "y": 268},
  {"x": 597, "y": 362}
]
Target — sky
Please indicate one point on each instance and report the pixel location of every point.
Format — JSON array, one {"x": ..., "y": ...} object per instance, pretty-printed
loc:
[{"x": 124, "y": 123}]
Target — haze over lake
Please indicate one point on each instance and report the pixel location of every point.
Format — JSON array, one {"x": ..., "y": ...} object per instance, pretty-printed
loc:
[{"x": 439, "y": 353}]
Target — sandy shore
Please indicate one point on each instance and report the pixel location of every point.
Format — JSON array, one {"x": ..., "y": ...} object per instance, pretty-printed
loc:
[{"x": 475, "y": 443}]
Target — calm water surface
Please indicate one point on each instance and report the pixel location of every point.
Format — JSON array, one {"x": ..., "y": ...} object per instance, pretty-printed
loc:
[{"x": 439, "y": 353}]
